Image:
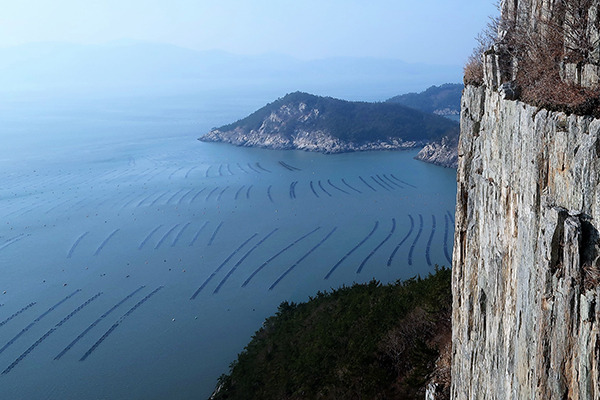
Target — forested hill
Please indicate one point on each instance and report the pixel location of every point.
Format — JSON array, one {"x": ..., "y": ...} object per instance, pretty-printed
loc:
[
  {"x": 441, "y": 100},
  {"x": 307, "y": 122},
  {"x": 367, "y": 341}
]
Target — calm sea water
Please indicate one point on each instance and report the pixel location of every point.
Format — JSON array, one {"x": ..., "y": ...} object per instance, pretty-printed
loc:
[{"x": 137, "y": 261}]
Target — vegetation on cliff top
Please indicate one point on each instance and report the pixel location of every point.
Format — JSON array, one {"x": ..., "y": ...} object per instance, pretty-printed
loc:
[
  {"x": 355, "y": 122},
  {"x": 368, "y": 341},
  {"x": 539, "y": 46}
]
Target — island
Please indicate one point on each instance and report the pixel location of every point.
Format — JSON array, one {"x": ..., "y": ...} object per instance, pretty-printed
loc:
[{"x": 302, "y": 121}]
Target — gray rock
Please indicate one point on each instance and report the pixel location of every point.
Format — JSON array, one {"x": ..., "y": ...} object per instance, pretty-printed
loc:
[
  {"x": 443, "y": 153},
  {"x": 526, "y": 312},
  {"x": 509, "y": 91}
]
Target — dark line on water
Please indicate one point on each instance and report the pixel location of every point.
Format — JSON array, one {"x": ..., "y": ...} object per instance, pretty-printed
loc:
[
  {"x": 208, "y": 169},
  {"x": 302, "y": 258},
  {"x": 158, "y": 198},
  {"x": 313, "y": 189},
  {"x": 451, "y": 217},
  {"x": 351, "y": 187},
  {"x": 38, "y": 319},
  {"x": 184, "y": 196},
  {"x": 365, "y": 182},
  {"x": 260, "y": 167},
  {"x": 269, "y": 193},
  {"x": 240, "y": 167},
  {"x": 323, "y": 189},
  {"x": 13, "y": 240},
  {"x": 239, "y": 191},
  {"x": 198, "y": 234},
  {"x": 211, "y": 192},
  {"x": 48, "y": 333},
  {"x": 212, "y": 238},
  {"x": 174, "y": 172},
  {"x": 229, "y": 169},
  {"x": 187, "y": 174},
  {"x": 412, "y": 248},
  {"x": 221, "y": 194},
  {"x": 293, "y": 189},
  {"x": 337, "y": 264},
  {"x": 335, "y": 187},
  {"x": 179, "y": 234},
  {"x": 162, "y": 239},
  {"x": 197, "y": 292},
  {"x": 241, "y": 260},
  {"x": 280, "y": 252},
  {"x": 7, "y": 320},
  {"x": 362, "y": 264},
  {"x": 220, "y": 169},
  {"x": 427, "y": 250},
  {"x": 196, "y": 195},
  {"x": 252, "y": 168},
  {"x": 401, "y": 181},
  {"x": 116, "y": 324},
  {"x": 99, "y": 249},
  {"x": 72, "y": 249},
  {"x": 144, "y": 199},
  {"x": 384, "y": 182},
  {"x": 289, "y": 167},
  {"x": 143, "y": 242},
  {"x": 248, "y": 191},
  {"x": 412, "y": 226},
  {"x": 389, "y": 180},
  {"x": 379, "y": 183},
  {"x": 175, "y": 195},
  {"x": 96, "y": 322}
]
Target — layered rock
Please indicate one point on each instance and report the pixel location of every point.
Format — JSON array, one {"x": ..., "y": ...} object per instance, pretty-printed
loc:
[{"x": 526, "y": 265}]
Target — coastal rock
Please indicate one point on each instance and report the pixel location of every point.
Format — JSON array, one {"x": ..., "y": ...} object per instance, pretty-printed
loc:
[
  {"x": 443, "y": 153},
  {"x": 308, "y": 140}
]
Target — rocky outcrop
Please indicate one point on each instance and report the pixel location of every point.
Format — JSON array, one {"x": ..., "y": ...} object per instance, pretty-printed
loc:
[
  {"x": 443, "y": 153},
  {"x": 526, "y": 313}
]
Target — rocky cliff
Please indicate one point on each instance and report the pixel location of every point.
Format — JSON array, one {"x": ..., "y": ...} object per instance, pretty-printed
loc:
[{"x": 526, "y": 270}]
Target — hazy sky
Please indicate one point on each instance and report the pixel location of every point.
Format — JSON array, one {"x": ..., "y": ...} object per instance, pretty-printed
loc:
[{"x": 431, "y": 31}]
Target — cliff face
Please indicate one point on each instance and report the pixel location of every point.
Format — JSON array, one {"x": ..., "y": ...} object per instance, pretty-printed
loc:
[
  {"x": 526, "y": 310},
  {"x": 526, "y": 262}
]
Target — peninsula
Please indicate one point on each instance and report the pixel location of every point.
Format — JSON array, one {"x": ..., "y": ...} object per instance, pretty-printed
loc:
[{"x": 303, "y": 121}]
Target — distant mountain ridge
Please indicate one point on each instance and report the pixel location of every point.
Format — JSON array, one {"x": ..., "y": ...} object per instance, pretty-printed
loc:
[
  {"x": 441, "y": 100},
  {"x": 146, "y": 67},
  {"x": 307, "y": 122}
]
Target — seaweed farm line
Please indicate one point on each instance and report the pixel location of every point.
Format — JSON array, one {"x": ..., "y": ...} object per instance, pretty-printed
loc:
[{"x": 139, "y": 269}]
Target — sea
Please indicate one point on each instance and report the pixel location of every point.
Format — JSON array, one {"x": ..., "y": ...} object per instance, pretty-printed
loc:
[{"x": 136, "y": 262}]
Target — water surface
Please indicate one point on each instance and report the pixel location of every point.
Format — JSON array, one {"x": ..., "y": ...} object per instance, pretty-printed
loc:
[{"x": 137, "y": 261}]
